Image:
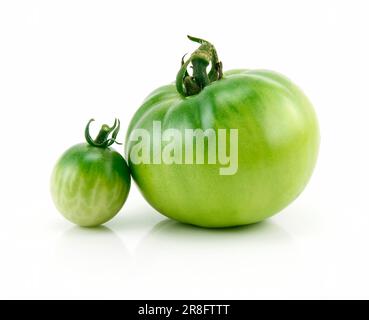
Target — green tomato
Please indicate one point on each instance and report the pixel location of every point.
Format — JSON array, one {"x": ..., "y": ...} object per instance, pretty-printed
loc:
[
  {"x": 91, "y": 181},
  {"x": 278, "y": 142}
]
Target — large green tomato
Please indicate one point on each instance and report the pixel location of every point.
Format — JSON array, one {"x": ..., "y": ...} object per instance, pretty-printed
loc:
[
  {"x": 91, "y": 181},
  {"x": 278, "y": 141}
]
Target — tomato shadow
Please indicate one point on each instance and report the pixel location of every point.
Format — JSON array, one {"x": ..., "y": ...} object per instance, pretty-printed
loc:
[
  {"x": 263, "y": 232},
  {"x": 86, "y": 244},
  {"x": 174, "y": 241},
  {"x": 230, "y": 259},
  {"x": 88, "y": 258},
  {"x": 172, "y": 226},
  {"x": 135, "y": 220}
]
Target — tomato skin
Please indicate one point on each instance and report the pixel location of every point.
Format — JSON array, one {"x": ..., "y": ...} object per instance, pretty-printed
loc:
[
  {"x": 89, "y": 185},
  {"x": 278, "y": 147}
]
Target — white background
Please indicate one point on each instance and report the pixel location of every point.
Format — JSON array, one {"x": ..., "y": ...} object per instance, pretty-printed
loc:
[{"x": 63, "y": 62}]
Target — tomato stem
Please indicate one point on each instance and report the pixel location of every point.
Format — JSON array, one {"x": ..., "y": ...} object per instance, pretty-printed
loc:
[
  {"x": 102, "y": 140},
  {"x": 188, "y": 85}
]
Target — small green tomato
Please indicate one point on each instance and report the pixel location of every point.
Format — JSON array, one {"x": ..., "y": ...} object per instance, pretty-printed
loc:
[{"x": 91, "y": 181}]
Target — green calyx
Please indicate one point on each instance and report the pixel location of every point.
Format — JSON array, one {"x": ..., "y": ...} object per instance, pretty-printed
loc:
[
  {"x": 189, "y": 85},
  {"x": 102, "y": 140}
]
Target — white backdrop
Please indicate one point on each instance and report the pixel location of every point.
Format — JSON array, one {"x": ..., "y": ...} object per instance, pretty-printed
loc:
[{"x": 63, "y": 62}]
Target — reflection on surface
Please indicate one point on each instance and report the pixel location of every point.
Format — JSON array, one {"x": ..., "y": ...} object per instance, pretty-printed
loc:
[
  {"x": 172, "y": 232},
  {"x": 189, "y": 252},
  {"x": 90, "y": 256},
  {"x": 171, "y": 227}
]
